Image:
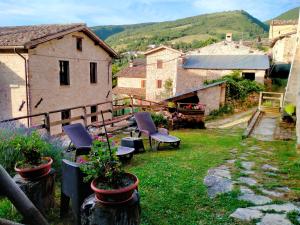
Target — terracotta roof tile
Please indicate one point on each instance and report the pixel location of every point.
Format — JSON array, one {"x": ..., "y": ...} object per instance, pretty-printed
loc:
[
  {"x": 138, "y": 70},
  {"x": 141, "y": 92},
  {"x": 20, "y": 35}
]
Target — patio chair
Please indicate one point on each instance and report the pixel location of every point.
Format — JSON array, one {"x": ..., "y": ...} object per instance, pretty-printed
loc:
[
  {"x": 73, "y": 188},
  {"x": 82, "y": 141},
  {"x": 147, "y": 127}
]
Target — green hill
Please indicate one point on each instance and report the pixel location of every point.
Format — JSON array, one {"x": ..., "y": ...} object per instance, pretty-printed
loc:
[
  {"x": 187, "y": 30},
  {"x": 292, "y": 14}
]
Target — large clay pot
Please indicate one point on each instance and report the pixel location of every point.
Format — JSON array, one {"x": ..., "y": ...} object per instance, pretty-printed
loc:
[
  {"x": 115, "y": 196},
  {"x": 36, "y": 172}
]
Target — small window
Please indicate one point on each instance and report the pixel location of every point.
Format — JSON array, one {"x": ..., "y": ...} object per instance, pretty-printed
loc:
[
  {"x": 158, "y": 83},
  {"x": 65, "y": 114},
  {"x": 93, "y": 110},
  {"x": 249, "y": 76},
  {"x": 79, "y": 43},
  {"x": 64, "y": 73},
  {"x": 143, "y": 83},
  {"x": 159, "y": 64},
  {"x": 93, "y": 72}
]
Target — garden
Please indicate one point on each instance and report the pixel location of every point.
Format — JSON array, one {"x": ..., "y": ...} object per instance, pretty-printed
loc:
[{"x": 171, "y": 184}]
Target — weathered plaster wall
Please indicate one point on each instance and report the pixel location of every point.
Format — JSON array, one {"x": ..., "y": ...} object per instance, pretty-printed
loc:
[
  {"x": 44, "y": 75},
  {"x": 278, "y": 30},
  {"x": 130, "y": 82},
  {"x": 283, "y": 50},
  {"x": 12, "y": 86},
  {"x": 212, "y": 97}
]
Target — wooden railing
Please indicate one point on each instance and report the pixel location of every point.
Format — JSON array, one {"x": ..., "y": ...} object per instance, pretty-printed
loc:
[
  {"x": 111, "y": 107},
  {"x": 270, "y": 101}
]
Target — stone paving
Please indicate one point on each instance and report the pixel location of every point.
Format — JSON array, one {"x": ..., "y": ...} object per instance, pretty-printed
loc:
[{"x": 265, "y": 210}]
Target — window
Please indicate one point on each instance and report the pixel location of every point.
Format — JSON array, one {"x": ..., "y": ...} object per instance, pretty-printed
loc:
[
  {"x": 93, "y": 110},
  {"x": 159, "y": 64},
  {"x": 249, "y": 76},
  {"x": 65, "y": 114},
  {"x": 143, "y": 83},
  {"x": 79, "y": 43},
  {"x": 93, "y": 72},
  {"x": 64, "y": 73},
  {"x": 158, "y": 83}
]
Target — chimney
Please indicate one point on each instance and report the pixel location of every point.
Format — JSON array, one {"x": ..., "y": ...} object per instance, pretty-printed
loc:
[{"x": 229, "y": 37}]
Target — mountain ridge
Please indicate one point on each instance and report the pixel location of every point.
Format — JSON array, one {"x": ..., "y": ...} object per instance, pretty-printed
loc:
[{"x": 195, "y": 28}]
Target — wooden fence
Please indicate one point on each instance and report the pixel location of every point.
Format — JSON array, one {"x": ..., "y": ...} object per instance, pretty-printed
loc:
[{"x": 126, "y": 105}]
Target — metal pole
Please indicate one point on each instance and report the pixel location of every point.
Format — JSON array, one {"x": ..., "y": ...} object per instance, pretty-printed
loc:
[
  {"x": 23, "y": 204},
  {"x": 107, "y": 139}
]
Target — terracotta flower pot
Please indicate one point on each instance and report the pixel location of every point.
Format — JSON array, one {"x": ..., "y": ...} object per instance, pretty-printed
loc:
[
  {"x": 115, "y": 196},
  {"x": 36, "y": 172}
]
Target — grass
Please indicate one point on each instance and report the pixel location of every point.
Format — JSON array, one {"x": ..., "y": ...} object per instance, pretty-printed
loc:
[{"x": 171, "y": 181}]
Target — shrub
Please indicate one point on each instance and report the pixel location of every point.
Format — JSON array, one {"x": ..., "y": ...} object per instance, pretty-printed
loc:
[
  {"x": 103, "y": 164},
  {"x": 226, "y": 109},
  {"x": 11, "y": 135},
  {"x": 238, "y": 88},
  {"x": 159, "y": 120}
]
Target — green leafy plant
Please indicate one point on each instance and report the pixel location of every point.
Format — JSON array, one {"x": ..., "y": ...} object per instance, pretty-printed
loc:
[
  {"x": 13, "y": 137},
  {"x": 104, "y": 165},
  {"x": 171, "y": 104},
  {"x": 159, "y": 120},
  {"x": 31, "y": 148}
]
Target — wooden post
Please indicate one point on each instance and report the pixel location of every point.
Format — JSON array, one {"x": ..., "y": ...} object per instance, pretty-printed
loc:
[
  {"x": 47, "y": 123},
  {"x": 131, "y": 102},
  {"x": 12, "y": 191},
  {"x": 84, "y": 116},
  {"x": 259, "y": 103}
]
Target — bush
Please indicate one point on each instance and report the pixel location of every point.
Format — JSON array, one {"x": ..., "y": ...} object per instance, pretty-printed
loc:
[
  {"x": 10, "y": 154},
  {"x": 226, "y": 109},
  {"x": 238, "y": 88},
  {"x": 159, "y": 120}
]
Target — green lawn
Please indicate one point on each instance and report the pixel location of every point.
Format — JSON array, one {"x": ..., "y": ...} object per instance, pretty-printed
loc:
[{"x": 171, "y": 181}]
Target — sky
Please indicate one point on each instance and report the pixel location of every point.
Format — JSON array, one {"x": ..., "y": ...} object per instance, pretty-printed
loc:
[{"x": 113, "y": 12}]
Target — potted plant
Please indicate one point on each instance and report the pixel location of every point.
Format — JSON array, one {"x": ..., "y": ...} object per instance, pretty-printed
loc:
[
  {"x": 171, "y": 107},
  {"x": 33, "y": 165},
  {"x": 111, "y": 184}
]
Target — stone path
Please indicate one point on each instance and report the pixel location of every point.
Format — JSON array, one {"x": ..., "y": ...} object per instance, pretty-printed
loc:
[
  {"x": 265, "y": 130},
  {"x": 264, "y": 210}
]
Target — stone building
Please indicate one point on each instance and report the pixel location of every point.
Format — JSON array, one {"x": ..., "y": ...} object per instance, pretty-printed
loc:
[
  {"x": 292, "y": 94},
  {"x": 165, "y": 65},
  {"x": 132, "y": 79},
  {"x": 283, "y": 40},
  {"x": 51, "y": 67}
]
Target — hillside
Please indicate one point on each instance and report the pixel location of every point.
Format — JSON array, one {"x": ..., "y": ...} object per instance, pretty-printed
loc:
[
  {"x": 187, "y": 30},
  {"x": 292, "y": 14}
]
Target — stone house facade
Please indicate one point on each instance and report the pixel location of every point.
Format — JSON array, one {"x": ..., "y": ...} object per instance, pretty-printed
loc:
[
  {"x": 283, "y": 40},
  {"x": 52, "y": 67},
  {"x": 190, "y": 71},
  {"x": 165, "y": 66}
]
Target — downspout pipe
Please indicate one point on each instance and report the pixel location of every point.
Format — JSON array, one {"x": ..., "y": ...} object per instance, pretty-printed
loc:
[{"x": 26, "y": 83}]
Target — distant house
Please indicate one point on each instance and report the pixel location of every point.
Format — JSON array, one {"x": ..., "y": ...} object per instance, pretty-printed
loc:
[
  {"x": 51, "y": 67},
  {"x": 132, "y": 79},
  {"x": 186, "y": 71},
  {"x": 190, "y": 71},
  {"x": 283, "y": 37}
]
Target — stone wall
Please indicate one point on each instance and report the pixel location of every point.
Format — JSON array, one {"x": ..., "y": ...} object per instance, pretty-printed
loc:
[
  {"x": 168, "y": 71},
  {"x": 193, "y": 78},
  {"x": 44, "y": 76},
  {"x": 12, "y": 86},
  {"x": 278, "y": 30},
  {"x": 283, "y": 50}
]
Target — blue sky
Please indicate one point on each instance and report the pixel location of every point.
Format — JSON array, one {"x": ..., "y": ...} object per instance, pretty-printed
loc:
[{"x": 106, "y": 12}]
